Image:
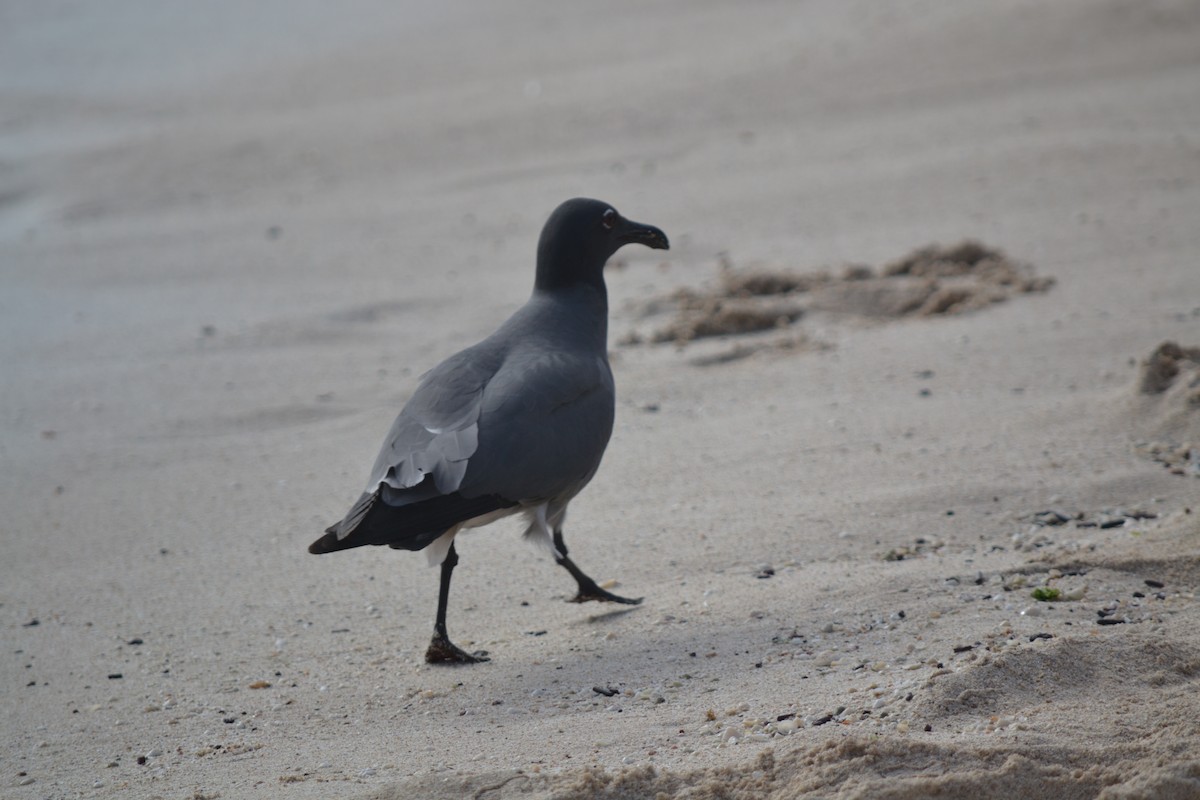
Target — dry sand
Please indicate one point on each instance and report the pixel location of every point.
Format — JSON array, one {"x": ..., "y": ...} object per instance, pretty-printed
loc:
[{"x": 231, "y": 239}]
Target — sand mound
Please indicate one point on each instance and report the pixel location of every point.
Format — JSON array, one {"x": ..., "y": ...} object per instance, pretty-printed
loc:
[
  {"x": 1162, "y": 370},
  {"x": 852, "y": 767},
  {"x": 929, "y": 281},
  {"x": 1166, "y": 408},
  {"x": 1034, "y": 682}
]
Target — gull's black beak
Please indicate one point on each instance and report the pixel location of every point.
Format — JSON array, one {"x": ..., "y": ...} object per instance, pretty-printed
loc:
[{"x": 629, "y": 232}]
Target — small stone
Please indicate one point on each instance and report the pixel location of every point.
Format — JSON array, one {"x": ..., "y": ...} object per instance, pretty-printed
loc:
[{"x": 1076, "y": 593}]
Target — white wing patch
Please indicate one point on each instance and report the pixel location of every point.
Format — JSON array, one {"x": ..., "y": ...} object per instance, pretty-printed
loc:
[{"x": 445, "y": 457}]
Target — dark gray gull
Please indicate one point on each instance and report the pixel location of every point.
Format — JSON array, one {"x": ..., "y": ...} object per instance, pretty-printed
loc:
[{"x": 515, "y": 424}]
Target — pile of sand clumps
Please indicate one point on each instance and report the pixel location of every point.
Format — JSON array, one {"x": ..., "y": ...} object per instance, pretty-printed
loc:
[
  {"x": 1166, "y": 408},
  {"x": 1169, "y": 366},
  {"x": 703, "y": 315},
  {"x": 930, "y": 281}
]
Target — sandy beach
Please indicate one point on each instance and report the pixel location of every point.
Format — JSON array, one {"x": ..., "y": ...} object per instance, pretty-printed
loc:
[{"x": 904, "y": 465}]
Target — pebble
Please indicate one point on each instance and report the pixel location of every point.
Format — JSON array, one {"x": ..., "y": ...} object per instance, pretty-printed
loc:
[
  {"x": 155, "y": 753},
  {"x": 1077, "y": 593}
]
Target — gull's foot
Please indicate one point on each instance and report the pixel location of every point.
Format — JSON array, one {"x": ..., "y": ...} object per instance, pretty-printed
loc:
[
  {"x": 590, "y": 591},
  {"x": 442, "y": 651}
]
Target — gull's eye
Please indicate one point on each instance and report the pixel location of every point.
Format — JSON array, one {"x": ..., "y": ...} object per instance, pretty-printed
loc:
[{"x": 609, "y": 220}]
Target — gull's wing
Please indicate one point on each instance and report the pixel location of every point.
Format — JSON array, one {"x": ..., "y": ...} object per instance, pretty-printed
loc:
[{"x": 499, "y": 424}]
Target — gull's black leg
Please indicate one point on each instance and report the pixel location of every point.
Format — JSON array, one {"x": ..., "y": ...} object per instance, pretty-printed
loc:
[
  {"x": 588, "y": 590},
  {"x": 441, "y": 650}
]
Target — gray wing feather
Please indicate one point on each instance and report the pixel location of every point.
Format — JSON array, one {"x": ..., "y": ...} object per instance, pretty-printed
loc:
[{"x": 437, "y": 432}]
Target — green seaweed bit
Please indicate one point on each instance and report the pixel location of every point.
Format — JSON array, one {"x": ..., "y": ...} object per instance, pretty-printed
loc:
[{"x": 1045, "y": 593}]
